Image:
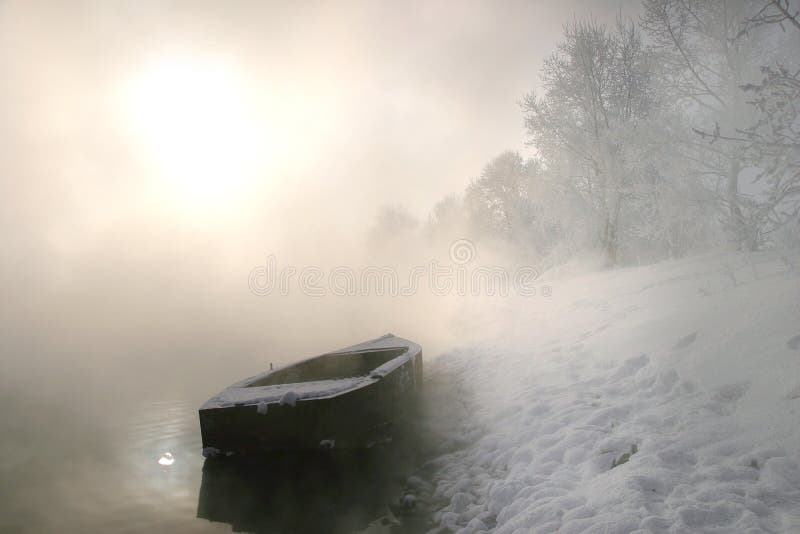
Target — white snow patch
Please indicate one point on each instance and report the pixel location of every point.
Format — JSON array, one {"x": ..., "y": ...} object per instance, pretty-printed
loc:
[
  {"x": 289, "y": 399},
  {"x": 408, "y": 501},
  {"x": 653, "y": 399},
  {"x": 242, "y": 395},
  {"x": 210, "y": 452}
]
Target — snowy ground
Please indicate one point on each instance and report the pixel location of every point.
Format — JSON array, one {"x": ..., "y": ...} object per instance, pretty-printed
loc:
[{"x": 654, "y": 399}]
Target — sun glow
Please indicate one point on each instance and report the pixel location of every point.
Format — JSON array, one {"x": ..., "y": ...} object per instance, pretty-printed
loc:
[{"x": 199, "y": 130}]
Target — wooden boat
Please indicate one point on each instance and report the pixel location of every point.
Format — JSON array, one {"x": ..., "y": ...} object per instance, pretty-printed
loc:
[{"x": 355, "y": 397}]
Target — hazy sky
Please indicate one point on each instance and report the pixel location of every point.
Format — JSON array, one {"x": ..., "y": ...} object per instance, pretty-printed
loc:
[
  {"x": 153, "y": 152},
  {"x": 379, "y": 101}
]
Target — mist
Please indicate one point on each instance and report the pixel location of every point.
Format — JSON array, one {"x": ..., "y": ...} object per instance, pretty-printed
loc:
[
  {"x": 164, "y": 163},
  {"x": 107, "y": 264}
]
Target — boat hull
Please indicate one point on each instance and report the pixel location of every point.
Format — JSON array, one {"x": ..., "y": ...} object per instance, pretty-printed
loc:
[{"x": 359, "y": 417}]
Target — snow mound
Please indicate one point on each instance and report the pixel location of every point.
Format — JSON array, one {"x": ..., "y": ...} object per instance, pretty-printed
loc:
[
  {"x": 655, "y": 399},
  {"x": 289, "y": 399}
]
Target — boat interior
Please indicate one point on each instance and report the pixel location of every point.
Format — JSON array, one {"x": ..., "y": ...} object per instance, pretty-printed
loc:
[{"x": 331, "y": 367}]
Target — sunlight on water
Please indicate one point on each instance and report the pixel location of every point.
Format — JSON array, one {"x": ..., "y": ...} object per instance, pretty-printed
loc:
[{"x": 166, "y": 459}]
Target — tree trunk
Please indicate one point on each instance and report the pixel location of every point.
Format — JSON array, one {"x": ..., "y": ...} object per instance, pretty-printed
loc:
[
  {"x": 736, "y": 222},
  {"x": 609, "y": 238}
]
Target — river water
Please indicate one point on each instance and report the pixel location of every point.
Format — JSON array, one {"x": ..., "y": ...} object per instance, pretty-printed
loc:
[{"x": 124, "y": 455}]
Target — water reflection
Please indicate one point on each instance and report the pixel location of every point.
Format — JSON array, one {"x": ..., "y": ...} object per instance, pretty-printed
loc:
[
  {"x": 304, "y": 492},
  {"x": 135, "y": 465}
]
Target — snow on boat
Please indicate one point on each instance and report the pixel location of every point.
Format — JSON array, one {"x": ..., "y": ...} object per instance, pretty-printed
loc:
[{"x": 350, "y": 398}]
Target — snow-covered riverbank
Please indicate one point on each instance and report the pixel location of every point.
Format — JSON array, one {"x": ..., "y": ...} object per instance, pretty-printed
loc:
[{"x": 654, "y": 399}]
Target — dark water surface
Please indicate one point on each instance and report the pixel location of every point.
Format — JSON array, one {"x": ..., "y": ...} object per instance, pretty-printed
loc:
[{"x": 84, "y": 457}]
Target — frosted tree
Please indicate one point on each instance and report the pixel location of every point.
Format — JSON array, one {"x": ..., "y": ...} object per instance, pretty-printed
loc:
[
  {"x": 498, "y": 202},
  {"x": 669, "y": 213},
  {"x": 447, "y": 220},
  {"x": 595, "y": 112},
  {"x": 780, "y": 12},
  {"x": 516, "y": 201},
  {"x": 704, "y": 60},
  {"x": 395, "y": 229},
  {"x": 771, "y": 143}
]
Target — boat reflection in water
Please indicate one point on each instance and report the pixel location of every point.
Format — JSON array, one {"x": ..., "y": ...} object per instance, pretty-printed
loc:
[{"x": 301, "y": 492}]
